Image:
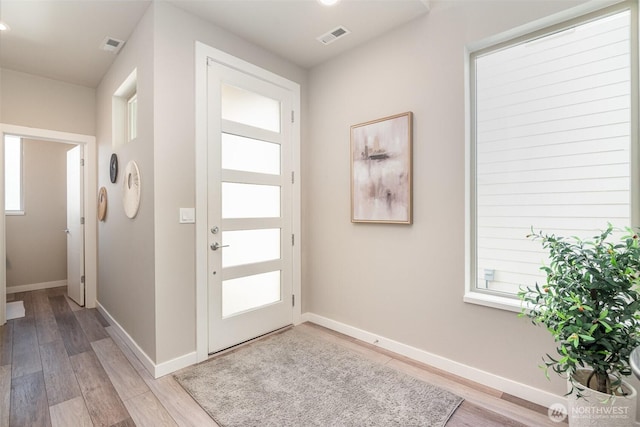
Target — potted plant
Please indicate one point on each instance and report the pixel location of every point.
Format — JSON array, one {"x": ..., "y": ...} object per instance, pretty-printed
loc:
[{"x": 590, "y": 305}]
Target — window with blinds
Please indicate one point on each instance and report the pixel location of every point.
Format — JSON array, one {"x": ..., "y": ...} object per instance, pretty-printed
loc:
[{"x": 552, "y": 145}]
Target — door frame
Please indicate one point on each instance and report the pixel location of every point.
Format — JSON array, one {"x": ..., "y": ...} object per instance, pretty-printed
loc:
[
  {"x": 90, "y": 207},
  {"x": 203, "y": 54}
]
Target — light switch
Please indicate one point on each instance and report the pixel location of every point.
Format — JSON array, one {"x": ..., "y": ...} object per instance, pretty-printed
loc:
[{"x": 187, "y": 215}]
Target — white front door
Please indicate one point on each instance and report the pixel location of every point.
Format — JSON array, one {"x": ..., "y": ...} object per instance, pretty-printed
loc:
[
  {"x": 75, "y": 226},
  {"x": 249, "y": 207}
]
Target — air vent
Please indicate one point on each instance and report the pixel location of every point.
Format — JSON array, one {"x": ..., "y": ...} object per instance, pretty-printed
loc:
[
  {"x": 333, "y": 35},
  {"x": 111, "y": 45}
]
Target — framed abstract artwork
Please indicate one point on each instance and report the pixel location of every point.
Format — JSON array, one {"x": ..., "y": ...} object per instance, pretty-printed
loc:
[{"x": 381, "y": 169}]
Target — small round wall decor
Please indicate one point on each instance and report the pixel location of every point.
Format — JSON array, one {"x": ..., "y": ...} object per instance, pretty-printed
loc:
[
  {"x": 102, "y": 204},
  {"x": 113, "y": 168},
  {"x": 131, "y": 189}
]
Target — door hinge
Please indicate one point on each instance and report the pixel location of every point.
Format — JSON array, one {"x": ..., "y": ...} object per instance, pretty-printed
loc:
[
  {"x": 293, "y": 177},
  {"x": 81, "y": 220},
  {"x": 81, "y": 162},
  {"x": 81, "y": 279},
  {"x": 293, "y": 116},
  {"x": 209, "y": 61},
  {"x": 293, "y": 300},
  {"x": 293, "y": 239}
]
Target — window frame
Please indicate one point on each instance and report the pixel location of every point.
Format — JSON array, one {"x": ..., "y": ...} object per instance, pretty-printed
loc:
[
  {"x": 132, "y": 117},
  {"x": 121, "y": 111},
  {"x": 21, "y": 211},
  {"x": 541, "y": 28}
]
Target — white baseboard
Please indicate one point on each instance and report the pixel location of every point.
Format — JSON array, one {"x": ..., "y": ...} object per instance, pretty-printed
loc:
[
  {"x": 133, "y": 346},
  {"x": 156, "y": 370},
  {"x": 173, "y": 365},
  {"x": 36, "y": 286},
  {"x": 523, "y": 391}
]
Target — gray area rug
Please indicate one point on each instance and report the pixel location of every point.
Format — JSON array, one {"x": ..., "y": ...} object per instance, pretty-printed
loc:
[{"x": 296, "y": 379}]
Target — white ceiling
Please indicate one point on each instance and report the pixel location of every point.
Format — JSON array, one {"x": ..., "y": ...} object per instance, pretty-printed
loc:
[
  {"x": 60, "y": 39},
  {"x": 290, "y": 28}
]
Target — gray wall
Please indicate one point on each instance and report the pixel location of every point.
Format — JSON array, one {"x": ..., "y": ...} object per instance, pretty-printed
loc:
[
  {"x": 126, "y": 287},
  {"x": 407, "y": 283},
  {"x": 28, "y": 100},
  {"x": 36, "y": 243}
]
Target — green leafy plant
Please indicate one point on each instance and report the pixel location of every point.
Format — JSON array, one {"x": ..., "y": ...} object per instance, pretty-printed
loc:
[{"x": 590, "y": 305}]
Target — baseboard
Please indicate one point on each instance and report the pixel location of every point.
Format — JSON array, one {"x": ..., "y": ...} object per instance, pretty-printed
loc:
[
  {"x": 173, "y": 365},
  {"x": 36, "y": 286},
  {"x": 157, "y": 370},
  {"x": 506, "y": 385},
  {"x": 133, "y": 346}
]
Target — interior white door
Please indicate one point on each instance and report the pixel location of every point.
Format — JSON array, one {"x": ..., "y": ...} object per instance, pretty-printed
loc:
[
  {"x": 75, "y": 226},
  {"x": 249, "y": 207}
]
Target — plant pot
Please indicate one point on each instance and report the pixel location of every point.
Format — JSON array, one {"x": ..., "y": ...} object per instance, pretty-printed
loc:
[{"x": 600, "y": 409}]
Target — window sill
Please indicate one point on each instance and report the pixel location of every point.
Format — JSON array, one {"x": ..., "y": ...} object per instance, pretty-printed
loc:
[
  {"x": 493, "y": 301},
  {"x": 14, "y": 213}
]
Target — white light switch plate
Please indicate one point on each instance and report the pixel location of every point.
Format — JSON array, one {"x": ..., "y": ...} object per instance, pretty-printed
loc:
[{"x": 187, "y": 215}]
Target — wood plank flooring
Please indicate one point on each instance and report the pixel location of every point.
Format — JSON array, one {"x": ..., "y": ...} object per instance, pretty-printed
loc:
[{"x": 63, "y": 365}]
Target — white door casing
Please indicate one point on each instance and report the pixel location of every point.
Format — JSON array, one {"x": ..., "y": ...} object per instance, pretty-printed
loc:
[
  {"x": 75, "y": 226},
  {"x": 213, "y": 65},
  {"x": 90, "y": 207}
]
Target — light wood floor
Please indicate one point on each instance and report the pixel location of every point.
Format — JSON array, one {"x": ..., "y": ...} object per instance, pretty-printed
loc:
[{"x": 63, "y": 365}]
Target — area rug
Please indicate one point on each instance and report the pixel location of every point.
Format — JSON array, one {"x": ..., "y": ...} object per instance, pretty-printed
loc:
[{"x": 297, "y": 379}]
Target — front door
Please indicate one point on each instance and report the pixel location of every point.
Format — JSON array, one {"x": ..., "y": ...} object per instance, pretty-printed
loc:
[
  {"x": 249, "y": 207},
  {"x": 75, "y": 226}
]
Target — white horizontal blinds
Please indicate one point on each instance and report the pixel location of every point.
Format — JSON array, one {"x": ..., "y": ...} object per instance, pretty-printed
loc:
[{"x": 552, "y": 145}]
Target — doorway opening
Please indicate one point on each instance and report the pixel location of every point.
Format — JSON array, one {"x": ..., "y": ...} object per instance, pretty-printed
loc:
[
  {"x": 44, "y": 216},
  {"x": 82, "y": 194}
]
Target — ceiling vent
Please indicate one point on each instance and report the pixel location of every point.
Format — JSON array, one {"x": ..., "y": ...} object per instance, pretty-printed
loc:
[
  {"x": 333, "y": 35},
  {"x": 111, "y": 44}
]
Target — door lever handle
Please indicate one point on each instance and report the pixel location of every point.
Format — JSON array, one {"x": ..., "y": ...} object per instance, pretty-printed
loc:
[{"x": 215, "y": 246}]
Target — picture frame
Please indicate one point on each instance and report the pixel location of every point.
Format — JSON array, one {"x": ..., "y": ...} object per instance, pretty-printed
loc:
[{"x": 381, "y": 170}]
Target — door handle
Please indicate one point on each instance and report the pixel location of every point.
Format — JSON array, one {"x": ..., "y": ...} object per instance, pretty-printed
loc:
[
  {"x": 66, "y": 230},
  {"x": 215, "y": 246}
]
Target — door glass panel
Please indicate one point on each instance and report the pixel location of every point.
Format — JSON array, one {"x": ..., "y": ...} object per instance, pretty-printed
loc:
[
  {"x": 250, "y": 246},
  {"x": 250, "y": 155},
  {"x": 250, "y": 200},
  {"x": 249, "y": 292},
  {"x": 250, "y": 108}
]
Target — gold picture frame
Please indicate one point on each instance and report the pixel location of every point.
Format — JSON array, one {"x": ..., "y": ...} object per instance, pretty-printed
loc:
[{"x": 381, "y": 170}]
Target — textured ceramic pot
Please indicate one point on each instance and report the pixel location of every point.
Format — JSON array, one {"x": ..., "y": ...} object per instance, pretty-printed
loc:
[{"x": 599, "y": 409}]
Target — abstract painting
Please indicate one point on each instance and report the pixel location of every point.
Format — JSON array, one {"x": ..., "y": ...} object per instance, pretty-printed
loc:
[{"x": 381, "y": 170}]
